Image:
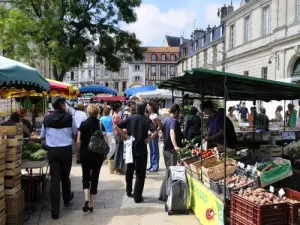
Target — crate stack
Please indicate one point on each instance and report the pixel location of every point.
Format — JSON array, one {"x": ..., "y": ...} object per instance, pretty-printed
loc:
[
  {"x": 2, "y": 172},
  {"x": 14, "y": 197}
]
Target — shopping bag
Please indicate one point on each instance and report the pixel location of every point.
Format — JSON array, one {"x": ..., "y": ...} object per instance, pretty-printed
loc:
[{"x": 128, "y": 150}]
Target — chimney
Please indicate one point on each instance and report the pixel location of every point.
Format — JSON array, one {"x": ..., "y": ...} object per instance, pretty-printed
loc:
[
  {"x": 208, "y": 29},
  {"x": 181, "y": 40},
  {"x": 198, "y": 33},
  {"x": 224, "y": 12},
  {"x": 230, "y": 9}
]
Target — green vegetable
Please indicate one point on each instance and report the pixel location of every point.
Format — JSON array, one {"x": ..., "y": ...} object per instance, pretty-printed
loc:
[
  {"x": 39, "y": 155},
  {"x": 32, "y": 146},
  {"x": 26, "y": 154}
]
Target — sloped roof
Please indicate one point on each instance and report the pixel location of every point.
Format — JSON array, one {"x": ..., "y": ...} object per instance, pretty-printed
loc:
[{"x": 163, "y": 49}]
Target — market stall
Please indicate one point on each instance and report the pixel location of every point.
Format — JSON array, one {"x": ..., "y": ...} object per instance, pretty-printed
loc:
[
  {"x": 96, "y": 89},
  {"x": 109, "y": 99},
  {"x": 211, "y": 171},
  {"x": 16, "y": 80},
  {"x": 63, "y": 89},
  {"x": 131, "y": 91}
]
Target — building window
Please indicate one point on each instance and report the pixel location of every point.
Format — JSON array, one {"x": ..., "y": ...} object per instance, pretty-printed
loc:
[
  {"x": 202, "y": 42},
  {"x": 247, "y": 31},
  {"x": 172, "y": 70},
  {"x": 221, "y": 31},
  {"x": 163, "y": 70},
  {"x": 117, "y": 86},
  {"x": 153, "y": 70},
  {"x": 246, "y": 73},
  {"x": 266, "y": 20},
  {"x": 163, "y": 57},
  {"x": 153, "y": 57},
  {"x": 106, "y": 84},
  {"x": 173, "y": 58},
  {"x": 264, "y": 73},
  {"x": 232, "y": 37},
  {"x": 90, "y": 73},
  {"x": 106, "y": 72},
  {"x": 82, "y": 73},
  {"x": 124, "y": 86},
  {"x": 137, "y": 67},
  {"x": 72, "y": 75},
  {"x": 196, "y": 45},
  {"x": 136, "y": 79},
  {"x": 212, "y": 35},
  {"x": 98, "y": 72}
]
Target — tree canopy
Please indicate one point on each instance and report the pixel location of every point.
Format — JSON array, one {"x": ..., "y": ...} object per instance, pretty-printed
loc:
[{"x": 64, "y": 30}]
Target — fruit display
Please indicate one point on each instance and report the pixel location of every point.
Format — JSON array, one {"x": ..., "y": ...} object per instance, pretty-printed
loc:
[
  {"x": 39, "y": 155},
  {"x": 260, "y": 196}
]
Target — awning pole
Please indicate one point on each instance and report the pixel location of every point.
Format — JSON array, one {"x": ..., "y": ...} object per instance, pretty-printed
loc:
[
  {"x": 225, "y": 145},
  {"x": 172, "y": 95},
  {"x": 284, "y": 120},
  {"x": 182, "y": 93},
  {"x": 202, "y": 128}
]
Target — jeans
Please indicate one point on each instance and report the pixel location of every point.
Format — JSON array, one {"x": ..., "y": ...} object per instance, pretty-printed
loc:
[
  {"x": 154, "y": 154},
  {"x": 60, "y": 160}
]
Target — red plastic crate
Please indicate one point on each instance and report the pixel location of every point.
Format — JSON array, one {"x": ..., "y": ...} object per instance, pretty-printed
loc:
[
  {"x": 235, "y": 220},
  {"x": 253, "y": 214},
  {"x": 294, "y": 209}
]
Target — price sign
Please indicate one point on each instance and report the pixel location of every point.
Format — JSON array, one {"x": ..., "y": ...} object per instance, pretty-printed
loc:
[
  {"x": 272, "y": 189},
  {"x": 281, "y": 193}
]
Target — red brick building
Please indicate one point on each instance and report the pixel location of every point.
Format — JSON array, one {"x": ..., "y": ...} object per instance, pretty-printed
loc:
[{"x": 160, "y": 63}]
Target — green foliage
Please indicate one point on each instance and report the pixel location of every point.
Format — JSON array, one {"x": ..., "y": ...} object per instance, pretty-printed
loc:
[{"x": 64, "y": 31}]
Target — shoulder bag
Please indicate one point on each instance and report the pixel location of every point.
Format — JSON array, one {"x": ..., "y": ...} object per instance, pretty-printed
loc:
[{"x": 97, "y": 143}]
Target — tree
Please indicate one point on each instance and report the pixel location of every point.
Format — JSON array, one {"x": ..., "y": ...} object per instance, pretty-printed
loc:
[{"x": 64, "y": 30}]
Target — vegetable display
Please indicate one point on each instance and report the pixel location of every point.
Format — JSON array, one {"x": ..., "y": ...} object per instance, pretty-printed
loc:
[
  {"x": 236, "y": 181},
  {"x": 260, "y": 196},
  {"x": 33, "y": 151}
]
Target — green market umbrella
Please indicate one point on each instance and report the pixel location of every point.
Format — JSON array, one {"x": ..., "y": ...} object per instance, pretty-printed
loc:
[{"x": 18, "y": 75}]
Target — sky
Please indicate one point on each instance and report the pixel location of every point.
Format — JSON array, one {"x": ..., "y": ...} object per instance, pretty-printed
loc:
[{"x": 157, "y": 18}]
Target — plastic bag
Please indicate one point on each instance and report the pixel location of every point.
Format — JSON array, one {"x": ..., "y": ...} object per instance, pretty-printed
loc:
[{"x": 128, "y": 156}]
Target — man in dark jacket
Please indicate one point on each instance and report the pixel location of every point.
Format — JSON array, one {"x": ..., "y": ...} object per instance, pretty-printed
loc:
[
  {"x": 59, "y": 129},
  {"x": 192, "y": 127},
  {"x": 138, "y": 126}
]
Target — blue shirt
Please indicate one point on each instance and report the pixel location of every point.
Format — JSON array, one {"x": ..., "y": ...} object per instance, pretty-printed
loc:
[
  {"x": 107, "y": 122},
  {"x": 59, "y": 137}
]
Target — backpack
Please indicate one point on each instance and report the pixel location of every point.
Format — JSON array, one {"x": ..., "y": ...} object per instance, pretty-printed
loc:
[
  {"x": 97, "y": 143},
  {"x": 177, "y": 191}
]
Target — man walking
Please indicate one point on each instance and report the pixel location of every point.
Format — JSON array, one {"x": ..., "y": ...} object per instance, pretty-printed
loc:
[
  {"x": 172, "y": 143},
  {"x": 59, "y": 129},
  {"x": 137, "y": 126}
]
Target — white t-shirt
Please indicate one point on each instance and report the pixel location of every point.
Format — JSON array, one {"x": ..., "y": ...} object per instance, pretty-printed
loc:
[{"x": 153, "y": 117}]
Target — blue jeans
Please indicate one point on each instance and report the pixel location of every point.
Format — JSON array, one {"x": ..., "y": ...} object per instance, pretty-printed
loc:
[{"x": 154, "y": 154}]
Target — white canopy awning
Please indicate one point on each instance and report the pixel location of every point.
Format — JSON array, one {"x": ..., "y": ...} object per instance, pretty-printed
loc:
[{"x": 158, "y": 93}]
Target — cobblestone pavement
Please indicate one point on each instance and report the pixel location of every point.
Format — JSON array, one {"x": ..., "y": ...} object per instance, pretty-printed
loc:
[{"x": 112, "y": 206}]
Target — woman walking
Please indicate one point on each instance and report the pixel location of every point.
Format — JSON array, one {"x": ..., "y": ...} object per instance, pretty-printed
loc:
[
  {"x": 154, "y": 149},
  {"x": 91, "y": 162},
  {"x": 119, "y": 163}
]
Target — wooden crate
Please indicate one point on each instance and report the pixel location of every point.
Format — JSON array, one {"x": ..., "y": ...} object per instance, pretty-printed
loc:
[
  {"x": 3, "y": 217},
  {"x": 4, "y": 137},
  {"x": 2, "y": 160},
  {"x": 13, "y": 154},
  {"x": 1, "y": 135},
  {"x": 12, "y": 181},
  {"x": 13, "y": 164},
  {"x": 12, "y": 171},
  {"x": 15, "y": 219},
  {"x": 2, "y": 203},
  {"x": 16, "y": 129},
  {"x": 14, "y": 141},
  {"x": 1, "y": 184},
  {"x": 2, "y": 147},
  {"x": 15, "y": 205},
  {"x": 12, "y": 192},
  {"x": 217, "y": 172},
  {"x": 2, "y": 170}
]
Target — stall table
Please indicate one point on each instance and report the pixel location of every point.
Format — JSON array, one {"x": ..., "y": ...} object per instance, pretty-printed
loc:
[{"x": 29, "y": 166}]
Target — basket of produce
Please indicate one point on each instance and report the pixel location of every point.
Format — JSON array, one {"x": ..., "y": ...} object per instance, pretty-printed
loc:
[
  {"x": 293, "y": 200},
  {"x": 234, "y": 183},
  {"x": 258, "y": 207},
  {"x": 34, "y": 151}
]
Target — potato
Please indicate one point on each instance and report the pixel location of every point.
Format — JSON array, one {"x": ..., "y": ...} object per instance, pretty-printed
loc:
[{"x": 264, "y": 201}]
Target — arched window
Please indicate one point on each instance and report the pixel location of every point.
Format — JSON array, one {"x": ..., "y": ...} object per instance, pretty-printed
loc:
[
  {"x": 153, "y": 57},
  {"x": 296, "y": 70}
]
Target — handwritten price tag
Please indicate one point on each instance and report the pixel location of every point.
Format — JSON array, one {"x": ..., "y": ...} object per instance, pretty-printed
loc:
[
  {"x": 272, "y": 189},
  {"x": 281, "y": 193}
]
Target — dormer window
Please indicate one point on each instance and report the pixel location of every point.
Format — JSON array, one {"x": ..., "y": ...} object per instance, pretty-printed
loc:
[
  {"x": 173, "y": 58},
  {"x": 163, "y": 57},
  {"x": 202, "y": 42},
  {"x": 153, "y": 57}
]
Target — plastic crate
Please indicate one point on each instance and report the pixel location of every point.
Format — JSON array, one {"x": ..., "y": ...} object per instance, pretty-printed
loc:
[
  {"x": 235, "y": 220},
  {"x": 253, "y": 214},
  {"x": 294, "y": 208},
  {"x": 215, "y": 186},
  {"x": 229, "y": 190}
]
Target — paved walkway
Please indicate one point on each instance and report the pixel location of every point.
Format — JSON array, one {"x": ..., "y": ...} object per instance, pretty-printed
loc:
[{"x": 112, "y": 206}]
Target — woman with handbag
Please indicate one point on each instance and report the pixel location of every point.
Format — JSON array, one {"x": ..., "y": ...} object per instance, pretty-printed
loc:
[{"x": 91, "y": 157}]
